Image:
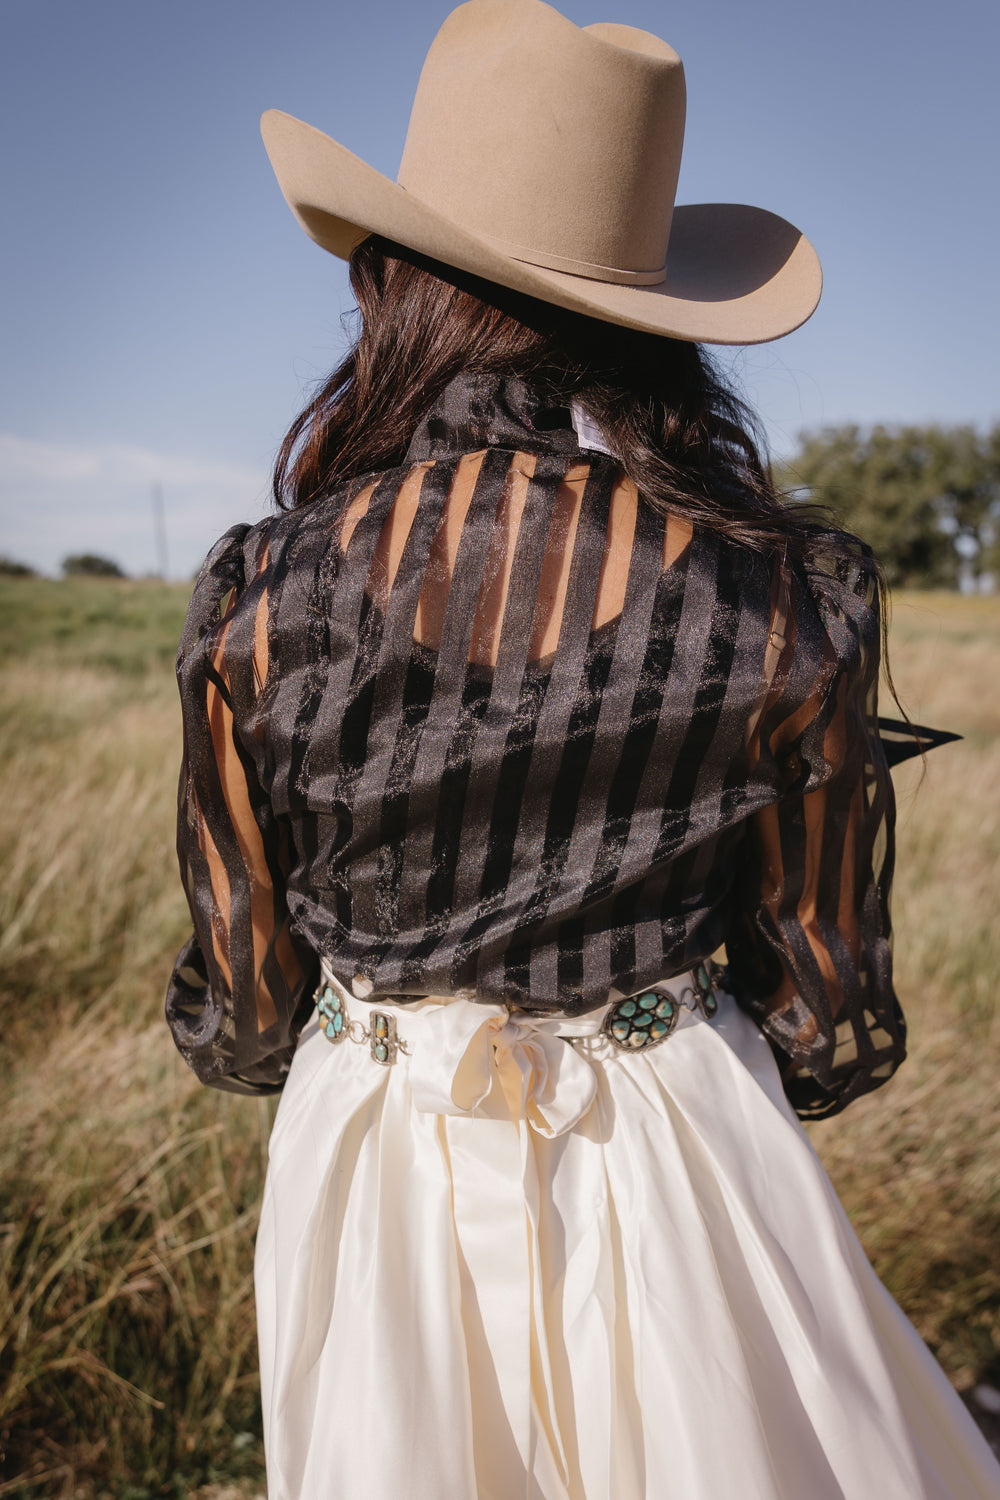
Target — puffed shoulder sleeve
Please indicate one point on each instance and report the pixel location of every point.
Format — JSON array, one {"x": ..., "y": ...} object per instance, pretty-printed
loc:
[
  {"x": 809, "y": 939},
  {"x": 240, "y": 986}
]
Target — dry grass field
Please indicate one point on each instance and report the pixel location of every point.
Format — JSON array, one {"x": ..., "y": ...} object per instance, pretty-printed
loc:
[
  {"x": 918, "y": 1163},
  {"x": 129, "y": 1194}
]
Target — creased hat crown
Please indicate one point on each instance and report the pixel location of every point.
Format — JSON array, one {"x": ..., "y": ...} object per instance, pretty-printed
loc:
[{"x": 563, "y": 120}]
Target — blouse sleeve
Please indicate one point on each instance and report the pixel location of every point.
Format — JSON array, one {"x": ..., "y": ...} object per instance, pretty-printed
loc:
[
  {"x": 809, "y": 941},
  {"x": 240, "y": 987}
]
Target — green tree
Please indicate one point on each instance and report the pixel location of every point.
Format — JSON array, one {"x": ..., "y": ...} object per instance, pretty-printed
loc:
[
  {"x": 964, "y": 473},
  {"x": 11, "y": 568},
  {"x": 990, "y": 532},
  {"x": 90, "y": 565},
  {"x": 926, "y": 499}
]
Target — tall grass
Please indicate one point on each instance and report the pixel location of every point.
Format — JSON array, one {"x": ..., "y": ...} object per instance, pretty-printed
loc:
[
  {"x": 918, "y": 1163},
  {"x": 129, "y": 1194}
]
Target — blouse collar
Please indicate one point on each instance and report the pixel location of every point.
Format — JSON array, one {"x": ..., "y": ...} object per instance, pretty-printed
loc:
[{"x": 489, "y": 411}]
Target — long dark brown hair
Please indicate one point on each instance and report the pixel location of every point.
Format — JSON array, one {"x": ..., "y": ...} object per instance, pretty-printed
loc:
[{"x": 679, "y": 432}]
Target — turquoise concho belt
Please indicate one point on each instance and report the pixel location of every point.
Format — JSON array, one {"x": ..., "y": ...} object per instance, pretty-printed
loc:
[{"x": 631, "y": 1024}]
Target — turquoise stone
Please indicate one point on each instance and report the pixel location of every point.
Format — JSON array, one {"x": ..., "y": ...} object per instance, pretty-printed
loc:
[
  {"x": 330, "y": 1030},
  {"x": 711, "y": 1005},
  {"x": 627, "y": 1008},
  {"x": 620, "y": 1030},
  {"x": 638, "y": 1039},
  {"x": 643, "y": 1019},
  {"x": 658, "y": 1030},
  {"x": 381, "y": 1052},
  {"x": 329, "y": 1003},
  {"x": 647, "y": 1002},
  {"x": 338, "y": 1022},
  {"x": 665, "y": 1008}
]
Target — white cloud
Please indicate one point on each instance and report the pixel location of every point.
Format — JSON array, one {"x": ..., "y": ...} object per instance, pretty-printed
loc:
[
  {"x": 23, "y": 458},
  {"x": 57, "y": 498}
]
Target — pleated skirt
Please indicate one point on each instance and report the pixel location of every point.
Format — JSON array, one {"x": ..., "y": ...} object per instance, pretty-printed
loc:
[{"x": 511, "y": 1265}]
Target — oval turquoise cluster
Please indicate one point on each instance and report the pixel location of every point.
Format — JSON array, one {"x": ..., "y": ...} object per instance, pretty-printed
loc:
[
  {"x": 331, "y": 1014},
  {"x": 641, "y": 1020}
]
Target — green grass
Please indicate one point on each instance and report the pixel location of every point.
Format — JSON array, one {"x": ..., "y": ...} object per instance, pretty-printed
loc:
[
  {"x": 127, "y": 1354},
  {"x": 118, "y": 625}
]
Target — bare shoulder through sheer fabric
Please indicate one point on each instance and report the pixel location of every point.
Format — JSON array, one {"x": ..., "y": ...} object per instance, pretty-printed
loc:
[
  {"x": 490, "y": 603},
  {"x": 499, "y": 729}
]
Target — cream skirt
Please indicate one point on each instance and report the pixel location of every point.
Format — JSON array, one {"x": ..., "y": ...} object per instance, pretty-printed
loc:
[{"x": 509, "y": 1266}]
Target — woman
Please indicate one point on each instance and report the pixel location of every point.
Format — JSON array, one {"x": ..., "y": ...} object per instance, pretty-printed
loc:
[{"x": 532, "y": 699}]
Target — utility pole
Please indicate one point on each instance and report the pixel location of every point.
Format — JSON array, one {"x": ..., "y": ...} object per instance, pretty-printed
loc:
[{"x": 160, "y": 530}]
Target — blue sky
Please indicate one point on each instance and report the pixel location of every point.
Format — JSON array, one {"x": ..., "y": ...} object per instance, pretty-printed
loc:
[{"x": 163, "y": 317}]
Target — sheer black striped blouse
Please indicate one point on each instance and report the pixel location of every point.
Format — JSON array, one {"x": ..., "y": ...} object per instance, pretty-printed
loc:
[{"x": 488, "y": 725}]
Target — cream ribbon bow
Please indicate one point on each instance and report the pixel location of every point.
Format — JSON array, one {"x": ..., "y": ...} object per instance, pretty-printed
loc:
[{"x": 462, "y": 1052}]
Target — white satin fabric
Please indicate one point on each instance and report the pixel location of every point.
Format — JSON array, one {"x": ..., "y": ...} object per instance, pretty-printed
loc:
[{"x": 510, "y": 1266}]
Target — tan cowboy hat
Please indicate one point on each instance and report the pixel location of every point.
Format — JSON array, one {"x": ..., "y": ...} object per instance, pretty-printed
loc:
[{"x": 544, "y": 157}]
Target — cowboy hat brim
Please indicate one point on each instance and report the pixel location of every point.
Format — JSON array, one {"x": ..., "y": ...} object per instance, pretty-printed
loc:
[{"x": 735, "y": 274}]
